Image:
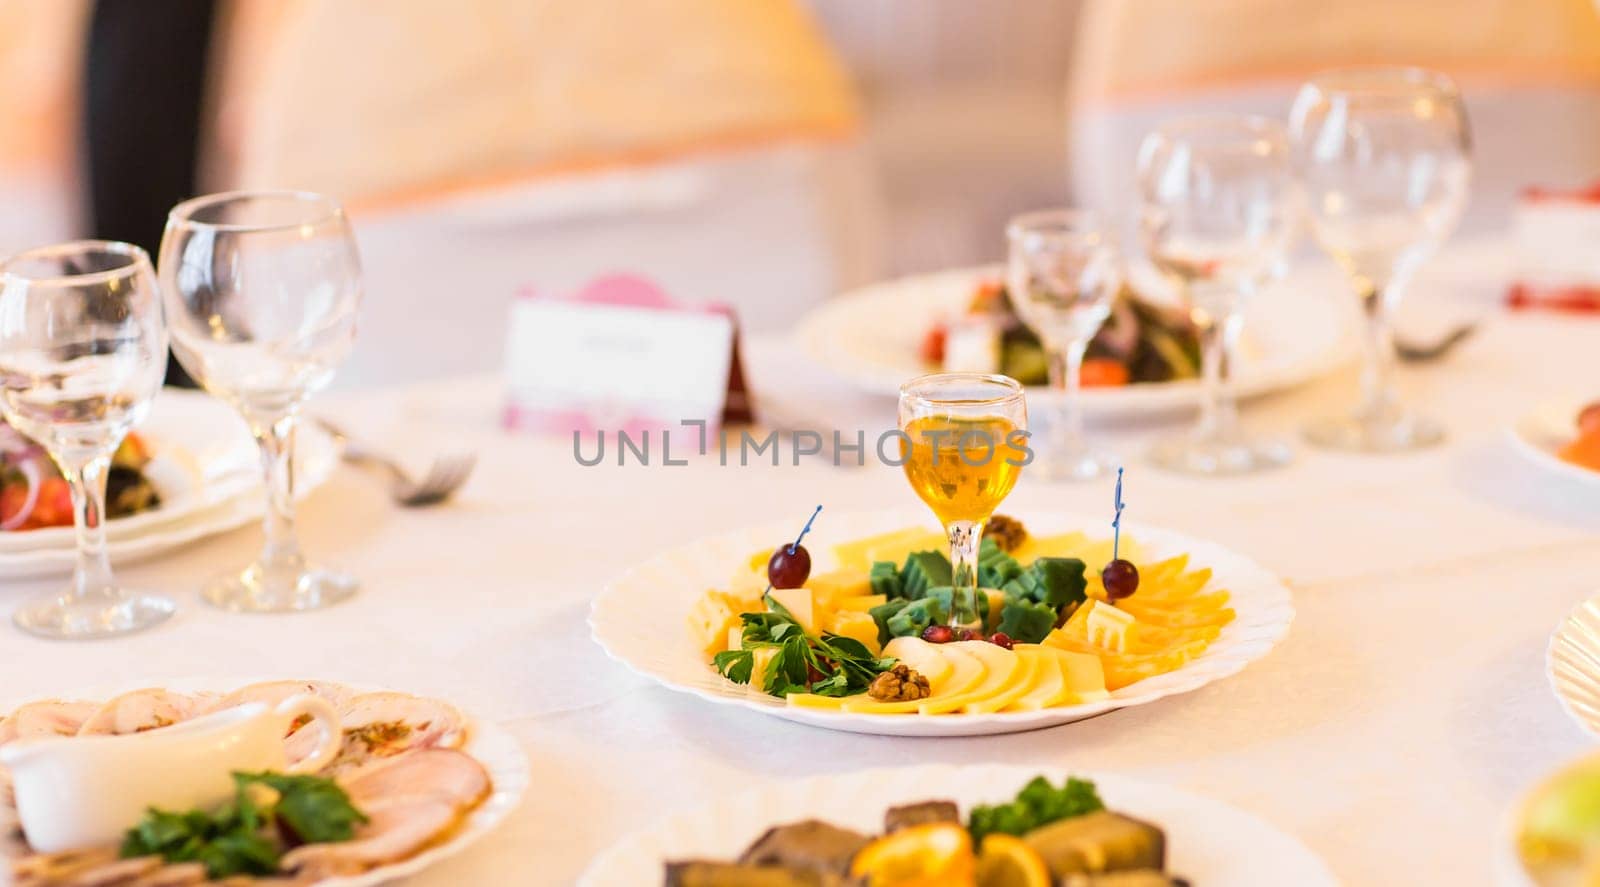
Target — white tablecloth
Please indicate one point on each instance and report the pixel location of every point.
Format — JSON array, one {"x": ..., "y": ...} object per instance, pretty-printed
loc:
[{"x": 1404, "y": 712}]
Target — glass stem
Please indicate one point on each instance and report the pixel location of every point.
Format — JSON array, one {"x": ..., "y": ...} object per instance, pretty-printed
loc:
[
  {"x": 281, "y": 553},
  {"x": 86, "y": 477},
  {"x": 1378, "y": 400},
  {"x": 1066, "y": 374},
  {"x": 1219, "y": 341},
  {"x": 964, "y": 539}
]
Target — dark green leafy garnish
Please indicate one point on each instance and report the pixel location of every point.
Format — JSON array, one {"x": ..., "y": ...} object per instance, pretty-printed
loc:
[
  {"x": 1038, "y": 804},
  {"x": 239, "y": 838},
  {"x": 830, "y": 665}
]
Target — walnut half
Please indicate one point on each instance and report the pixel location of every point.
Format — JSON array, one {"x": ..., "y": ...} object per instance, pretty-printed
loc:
[
  {"x": 1007, "y": 532},
  {"x": 899, "y": 684}
]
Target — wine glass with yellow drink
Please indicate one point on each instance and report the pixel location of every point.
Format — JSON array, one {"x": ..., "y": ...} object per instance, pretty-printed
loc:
[{"x": 964, "y": 442}]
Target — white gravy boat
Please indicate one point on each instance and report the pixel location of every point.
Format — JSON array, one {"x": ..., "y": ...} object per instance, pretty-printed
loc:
[{"x": 86, "y": 791}]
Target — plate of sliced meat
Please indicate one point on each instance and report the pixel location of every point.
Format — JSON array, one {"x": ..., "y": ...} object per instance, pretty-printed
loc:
[{"x": 427, "y": 780}]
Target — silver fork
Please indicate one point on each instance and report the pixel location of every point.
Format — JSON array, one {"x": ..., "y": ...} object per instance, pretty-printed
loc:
[{"x": 443, "y": 478}]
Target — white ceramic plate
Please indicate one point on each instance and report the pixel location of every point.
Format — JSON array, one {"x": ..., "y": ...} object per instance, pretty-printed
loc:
[
  {"x": 640, "y": 621},
  {"x": 497, "y": 750},
  {"x": 1572, "y": 663},
  {"x": 209, "y": 477},
  {"x": 1208, "y": 842},
  {"x": 1541, "y": 433},
  {"x": 1295, "y": 331},
  {"x": 202, "y": 456}
]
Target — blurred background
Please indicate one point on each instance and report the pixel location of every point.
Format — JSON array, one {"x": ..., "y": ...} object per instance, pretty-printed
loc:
[{"x": 763, "y": 153}]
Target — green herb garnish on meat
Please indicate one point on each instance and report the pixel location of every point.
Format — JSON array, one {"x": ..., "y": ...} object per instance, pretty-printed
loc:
[
  {"x": 1038, "y": 804},
  {"x": 242, "y": 837}
]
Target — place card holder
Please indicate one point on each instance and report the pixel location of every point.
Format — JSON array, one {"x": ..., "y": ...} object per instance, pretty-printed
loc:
[{"x": 621, "y": 356}]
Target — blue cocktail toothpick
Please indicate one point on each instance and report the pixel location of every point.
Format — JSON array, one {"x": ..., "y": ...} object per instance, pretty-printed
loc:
[
  {"x": 1116, "y": 523},
  {"x": 804, "y": 530}
]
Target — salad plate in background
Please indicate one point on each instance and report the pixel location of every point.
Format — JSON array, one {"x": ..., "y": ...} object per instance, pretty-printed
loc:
[
  {"x": 202, "y": 470},
  {"x": 1203, "y": 841},
  {"x": 1562, "y": 436},
  {"x": 1144, "y": 360}
]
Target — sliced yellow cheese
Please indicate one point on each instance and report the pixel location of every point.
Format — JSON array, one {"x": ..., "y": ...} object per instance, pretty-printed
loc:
[
  {"x": 1174, "y": 588},
  {"x": 1108, "y": 627},
  {"x": 1049, "y": 685},
  {"x": 1001, "y": 671},
  {"x": 1084, "y": 675},
  {"x": 1093, "y": 552},
  {"x": 711, "y": 618},
  {"x": 758, "y": 667},
  {"x": 1027, "y": 672},
  {"x": 856, "y": 625},
  {"x": 862, "y": 603},
  {"x": 840, "y": 585},
  {"x": 735, "y": 638},
  {"x": 856, "y": 555},
  {"x": 966, "y": 673},
  {"x": 997, "y": 603},
  {"x": 922, "y": 657},
  {"x": 800, "y": 604},
  {"x": 1158, "y": 574},
  {"x": 896, "y": 551}
]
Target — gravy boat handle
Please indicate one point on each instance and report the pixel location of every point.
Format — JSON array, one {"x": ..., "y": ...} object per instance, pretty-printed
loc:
[{"x": 324, "y": 718}]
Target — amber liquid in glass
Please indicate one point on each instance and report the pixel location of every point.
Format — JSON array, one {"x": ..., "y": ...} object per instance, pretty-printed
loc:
[{"x": 963, "y": 468}]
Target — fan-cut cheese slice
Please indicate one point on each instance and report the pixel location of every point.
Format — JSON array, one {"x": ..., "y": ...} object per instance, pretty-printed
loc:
[
  {"x": 1049, "y": 685},
  {"x": 966, "y": 672},
  {"x": 1001, "y": 667},
  {"x": 1027, "y": 675}
]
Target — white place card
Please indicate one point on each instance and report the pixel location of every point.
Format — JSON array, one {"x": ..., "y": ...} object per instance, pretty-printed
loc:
[{"x": 618, "y": 357}]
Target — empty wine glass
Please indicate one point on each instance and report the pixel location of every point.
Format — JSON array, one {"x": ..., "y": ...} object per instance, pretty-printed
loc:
[
  {"x": 1384, "y": 154},
  {"x": 964, "y": 442},
  {"x": 262, "y": 290},
  {"x": 83, "y": 349},
  {"x": 1062, "y": 273},
  {"x": 1218, "y": 207}
]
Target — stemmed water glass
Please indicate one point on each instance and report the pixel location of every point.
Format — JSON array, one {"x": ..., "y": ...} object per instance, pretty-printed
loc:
[
  {"x": 1384, "y": 154},
  {"x": 964, "y": 442},
  {"x": 1218, "y": 209},
  {"x": 83, "y": 349},
  {"x": 262, "y": 290},
  {"x": 1062, "y": 274}
]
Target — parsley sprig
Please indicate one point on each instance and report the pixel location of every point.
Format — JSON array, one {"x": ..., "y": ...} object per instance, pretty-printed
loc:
[
  {"x": 830, "y": 665},
  {"x": 240, "y": 838},
  {"x": 1038, "y": 804}
]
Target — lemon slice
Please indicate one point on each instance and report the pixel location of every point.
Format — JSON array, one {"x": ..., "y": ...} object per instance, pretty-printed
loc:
[
  {"x": 921, "y": 856},
  {"x": 1007, "y": 861}
]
